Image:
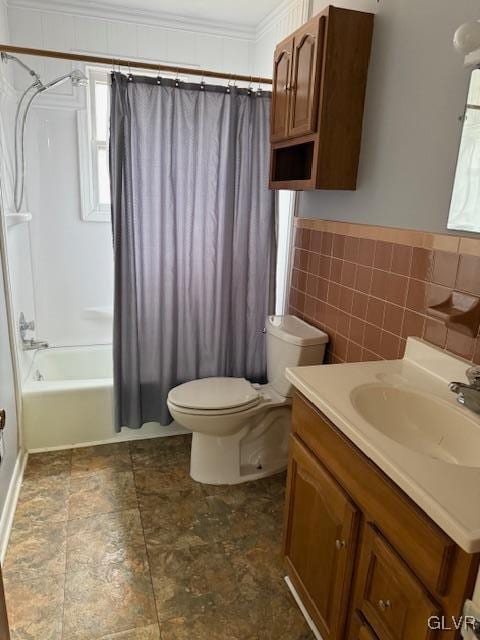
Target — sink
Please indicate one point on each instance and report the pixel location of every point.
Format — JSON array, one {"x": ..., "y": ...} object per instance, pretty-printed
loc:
[{"x": 421, "y": 422}]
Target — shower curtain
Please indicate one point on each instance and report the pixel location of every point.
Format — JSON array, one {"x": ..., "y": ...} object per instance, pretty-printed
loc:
[{"x": 194, "y": 238}]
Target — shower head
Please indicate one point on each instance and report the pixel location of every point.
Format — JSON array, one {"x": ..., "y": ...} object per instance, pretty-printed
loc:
[{"x": 76, "y": 77}]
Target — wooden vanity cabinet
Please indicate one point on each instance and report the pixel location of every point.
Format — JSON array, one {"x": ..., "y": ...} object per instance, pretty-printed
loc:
[
  {"x": 365, "y": 560},
  {"x": 318, "y": 93}
]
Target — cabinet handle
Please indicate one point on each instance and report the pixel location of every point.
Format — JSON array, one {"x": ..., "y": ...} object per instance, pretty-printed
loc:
[
  {"x": 384, "y": 604},
  {"x": 3, "y": 419},
  {"x": 340, "y": 544}
]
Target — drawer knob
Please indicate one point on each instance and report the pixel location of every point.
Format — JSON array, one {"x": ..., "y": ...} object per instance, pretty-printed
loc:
[
  {"x": 340, "y": 544},
  {"x": 384, "y": 604}
]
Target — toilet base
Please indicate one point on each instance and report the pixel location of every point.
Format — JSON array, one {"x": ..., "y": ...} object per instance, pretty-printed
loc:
[{"x": 256, "y": 451}]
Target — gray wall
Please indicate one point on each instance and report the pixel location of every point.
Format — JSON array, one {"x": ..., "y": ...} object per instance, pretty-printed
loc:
[{"x": 416, "y": 93}]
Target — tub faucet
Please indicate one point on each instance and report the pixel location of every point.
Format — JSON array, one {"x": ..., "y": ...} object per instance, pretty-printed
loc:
[
  {"x": 468, "y": 394},
  {"x": 29, "y": 344}
]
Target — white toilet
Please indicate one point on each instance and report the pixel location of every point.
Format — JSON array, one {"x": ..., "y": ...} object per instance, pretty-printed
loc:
[{"x": 240, "y": 429}]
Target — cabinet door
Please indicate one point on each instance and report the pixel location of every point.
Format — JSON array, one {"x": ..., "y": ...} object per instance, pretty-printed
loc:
[
  {"x": 306, "y": 75},
  {"x": 320, "y": 540},
  {"x": 391, "y": 598},
  {"x": 359, "y": 629},
  {"x": 282, "y": 70}
]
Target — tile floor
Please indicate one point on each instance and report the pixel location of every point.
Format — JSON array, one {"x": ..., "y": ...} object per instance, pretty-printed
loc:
[{"x": 117, "y": 542}]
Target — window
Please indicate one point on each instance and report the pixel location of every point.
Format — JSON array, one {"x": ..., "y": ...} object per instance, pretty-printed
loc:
[
  {"x": 93, "y": 123},
  {"x": 93, "y": 134},
  {"x": 285, "y": 213}
]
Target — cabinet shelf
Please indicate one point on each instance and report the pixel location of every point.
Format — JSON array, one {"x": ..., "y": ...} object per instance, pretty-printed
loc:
[
  {"x": 459, "y": 311},
  {"x": 12, "y": 219}
]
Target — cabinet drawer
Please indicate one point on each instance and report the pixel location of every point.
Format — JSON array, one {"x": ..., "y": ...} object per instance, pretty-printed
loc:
[
  {"x": 414, "y": 536},
  {"x": 391, "y": 598},
  {"x": 360, "y": 629}
]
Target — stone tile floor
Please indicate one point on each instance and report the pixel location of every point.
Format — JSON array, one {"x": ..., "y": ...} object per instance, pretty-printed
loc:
[{"x": 117, "y": 542}]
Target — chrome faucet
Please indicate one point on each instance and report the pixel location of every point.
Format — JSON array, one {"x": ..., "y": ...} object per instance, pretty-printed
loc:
[
  {"x": 468, "y": 394},
  {"x": 29, "y": 344}
]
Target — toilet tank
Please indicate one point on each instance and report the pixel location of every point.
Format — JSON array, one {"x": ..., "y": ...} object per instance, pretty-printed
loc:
[{"x": 291, "y": 342}]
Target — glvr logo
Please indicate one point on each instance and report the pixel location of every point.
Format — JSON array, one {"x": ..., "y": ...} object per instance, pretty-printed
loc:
[{"x": 455, "y": 622}]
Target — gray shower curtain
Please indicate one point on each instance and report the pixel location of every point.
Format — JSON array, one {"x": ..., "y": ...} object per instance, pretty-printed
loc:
[{"x": 194, "y": 238}]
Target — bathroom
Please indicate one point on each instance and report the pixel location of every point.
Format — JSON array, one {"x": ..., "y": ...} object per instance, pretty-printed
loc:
[{"x": 235, "y": 339}]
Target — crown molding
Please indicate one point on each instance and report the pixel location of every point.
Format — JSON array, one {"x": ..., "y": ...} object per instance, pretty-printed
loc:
[{"x": 106, "y": 11}]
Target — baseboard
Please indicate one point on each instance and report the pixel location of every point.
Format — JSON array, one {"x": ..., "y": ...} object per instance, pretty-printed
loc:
[
  {"x": 302, "y": 608},
  {"x": 6, "y": 519},
  {"x": 127, "y": 435}
]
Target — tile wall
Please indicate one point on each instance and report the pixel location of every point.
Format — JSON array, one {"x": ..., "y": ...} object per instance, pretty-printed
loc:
[{"x": 369, "y": 287}]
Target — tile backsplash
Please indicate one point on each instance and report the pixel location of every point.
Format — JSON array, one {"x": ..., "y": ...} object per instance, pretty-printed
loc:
[{"x": 369, "y": 287}]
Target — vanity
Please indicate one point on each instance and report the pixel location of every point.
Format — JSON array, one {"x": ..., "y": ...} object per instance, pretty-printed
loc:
[{"x": 382, "y": 520}]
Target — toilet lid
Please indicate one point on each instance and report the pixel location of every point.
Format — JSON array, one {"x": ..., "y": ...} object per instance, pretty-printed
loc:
[{"x": 214, "y": 393}]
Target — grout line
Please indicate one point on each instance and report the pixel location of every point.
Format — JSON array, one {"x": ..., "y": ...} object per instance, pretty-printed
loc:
[
  {"x": 66, "y": 543},
  {"x": 145, "y": 542}
]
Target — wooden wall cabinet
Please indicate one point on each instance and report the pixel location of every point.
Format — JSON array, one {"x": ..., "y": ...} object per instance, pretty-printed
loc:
[
  {"x": 367, "y": 563},
  {"x": 318, "y": 93}
]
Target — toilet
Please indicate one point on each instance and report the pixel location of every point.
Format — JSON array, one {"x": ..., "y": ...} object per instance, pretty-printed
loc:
[{"x": 240, "y": 429}]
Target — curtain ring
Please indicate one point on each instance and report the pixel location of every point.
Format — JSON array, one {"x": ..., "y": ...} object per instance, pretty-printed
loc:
[
  {"x": 228, "y": 84},
  {"x": 177, "y": 83},
  {"x": 159, "y": 77},
  {"x": 249, "y": 90}
]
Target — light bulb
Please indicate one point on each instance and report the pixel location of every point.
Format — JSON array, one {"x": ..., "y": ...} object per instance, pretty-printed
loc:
[{"x": 467, "y": 38}]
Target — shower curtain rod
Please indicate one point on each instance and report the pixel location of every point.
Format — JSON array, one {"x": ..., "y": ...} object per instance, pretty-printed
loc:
[{"x": 131, "y": 64}]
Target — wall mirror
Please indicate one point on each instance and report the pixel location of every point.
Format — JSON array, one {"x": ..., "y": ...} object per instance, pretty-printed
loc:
[{"x": 465, "y": 205}]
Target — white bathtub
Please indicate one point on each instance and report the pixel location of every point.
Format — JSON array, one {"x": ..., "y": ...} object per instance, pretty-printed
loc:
[{"x": 67, "y": 401}]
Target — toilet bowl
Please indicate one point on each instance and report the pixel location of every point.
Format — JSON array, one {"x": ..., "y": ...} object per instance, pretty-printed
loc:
[{"x": 241, "y": 429}]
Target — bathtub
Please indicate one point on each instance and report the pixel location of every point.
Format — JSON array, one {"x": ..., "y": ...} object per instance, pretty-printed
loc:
[{"x": 68, "y": 401}]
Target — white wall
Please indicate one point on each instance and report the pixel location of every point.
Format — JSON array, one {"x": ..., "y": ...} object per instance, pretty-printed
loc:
[
  {"x": 416, "y": 93},
  {"x": 72, "y": 259},
  {"x": 7, "y": 378}
]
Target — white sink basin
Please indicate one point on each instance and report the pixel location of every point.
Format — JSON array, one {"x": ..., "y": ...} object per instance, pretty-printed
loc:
[{"x": 421, "y": 422}]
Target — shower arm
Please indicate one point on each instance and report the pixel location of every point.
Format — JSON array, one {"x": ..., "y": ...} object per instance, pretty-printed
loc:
[
  {"x": 77, "y": 78},
  {"x": 34, "y": 74}
]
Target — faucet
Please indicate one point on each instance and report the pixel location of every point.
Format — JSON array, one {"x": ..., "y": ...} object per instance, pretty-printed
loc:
[
  {"x": 29, "y": 344},
  {"x": 469, "y": 394}
]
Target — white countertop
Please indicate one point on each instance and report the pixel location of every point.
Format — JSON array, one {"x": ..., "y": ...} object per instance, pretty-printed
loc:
[{"x": 448, "y": 493}]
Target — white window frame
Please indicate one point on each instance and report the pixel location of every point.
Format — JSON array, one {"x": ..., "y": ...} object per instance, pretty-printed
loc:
[
  {"x": 286, "y": 206},
  {"x": 88, "y": 146}
]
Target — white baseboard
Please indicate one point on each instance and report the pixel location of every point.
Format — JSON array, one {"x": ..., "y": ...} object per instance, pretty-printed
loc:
[
  {"x": 126, "y": 435},
  {"x": 302, "y": 608},
  {"x": 6, "y": 519}
]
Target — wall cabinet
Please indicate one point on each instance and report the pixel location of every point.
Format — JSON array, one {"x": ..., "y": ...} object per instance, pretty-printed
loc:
[
  {"x": 367, "y": 563},
  {"x": 318, "y": 92}
]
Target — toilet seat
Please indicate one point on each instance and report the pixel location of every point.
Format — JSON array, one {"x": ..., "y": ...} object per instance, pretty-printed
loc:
[{"x": 214, "y": 396}]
